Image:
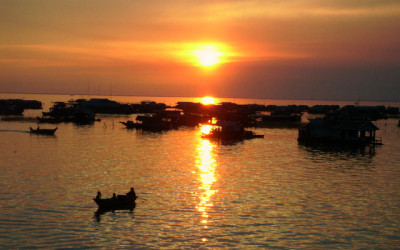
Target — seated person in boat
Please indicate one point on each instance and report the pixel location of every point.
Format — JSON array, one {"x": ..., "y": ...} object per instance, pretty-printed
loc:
[{"x": 131, "y": 193}]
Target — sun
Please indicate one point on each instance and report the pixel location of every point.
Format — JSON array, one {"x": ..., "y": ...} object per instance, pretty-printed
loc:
[
  {"x": 208, "y": 57},
  {"x": 207, "y": 100}
]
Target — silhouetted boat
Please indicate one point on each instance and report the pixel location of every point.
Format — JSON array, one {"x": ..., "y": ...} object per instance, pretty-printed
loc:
[
  {"x": 229, "y": 130},
  {"x": 154, "y": 122},
  {"x": 42, "y": 131},
  {"x": 251, "y": 135},
  {"x": 119, "y": 202},
  {"x": 130, "y": 124}
]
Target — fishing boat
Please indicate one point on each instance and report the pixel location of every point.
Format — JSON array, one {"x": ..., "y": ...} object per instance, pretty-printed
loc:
[
  {"x": 130, "y": 124},
  {"x": 41, "y": 131},
  {"x": 116, "y": 202}
]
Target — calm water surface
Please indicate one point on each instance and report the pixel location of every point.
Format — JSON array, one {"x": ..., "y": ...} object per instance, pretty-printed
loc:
[{"x": 269, "y": 193}]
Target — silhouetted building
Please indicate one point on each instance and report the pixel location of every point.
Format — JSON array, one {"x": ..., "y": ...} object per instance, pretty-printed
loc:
[{"x": 342, "y": 131}]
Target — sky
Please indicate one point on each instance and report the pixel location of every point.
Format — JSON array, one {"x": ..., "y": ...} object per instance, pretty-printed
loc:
[{"x": 274, "y": 49}]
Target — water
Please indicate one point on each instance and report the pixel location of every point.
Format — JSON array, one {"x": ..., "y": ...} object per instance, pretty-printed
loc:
[{"x": 194, "y": 193}]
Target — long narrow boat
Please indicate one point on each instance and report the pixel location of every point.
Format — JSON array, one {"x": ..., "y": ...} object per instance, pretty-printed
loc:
[
  {"x": 119, "y": 202},
  {"x": 41, "y": 131},
  {"x": 130, "y": 124}
]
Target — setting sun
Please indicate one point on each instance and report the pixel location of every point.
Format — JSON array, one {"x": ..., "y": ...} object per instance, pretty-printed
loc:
[
  {"x": 208, "y": 57},
  {"x": 207, "y": 100}
]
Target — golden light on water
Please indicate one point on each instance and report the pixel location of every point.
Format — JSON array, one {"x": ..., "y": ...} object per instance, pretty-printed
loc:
[
  {"x": 206, "y": 164},
  {"x": 205, "y": 129}
]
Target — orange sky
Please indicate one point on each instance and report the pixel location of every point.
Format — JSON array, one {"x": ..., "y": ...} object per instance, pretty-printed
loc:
[{"x": 332, "y": 49}]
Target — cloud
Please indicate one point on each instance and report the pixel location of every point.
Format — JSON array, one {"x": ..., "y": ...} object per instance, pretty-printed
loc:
[{"x": 281, "y": 42}]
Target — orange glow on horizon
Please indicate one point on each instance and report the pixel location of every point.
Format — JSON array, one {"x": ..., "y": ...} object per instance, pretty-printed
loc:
[
  {"x": 207, "y": 55},
  {"x": 207, "y": 100},
  {"x": 195, "y": 48}
]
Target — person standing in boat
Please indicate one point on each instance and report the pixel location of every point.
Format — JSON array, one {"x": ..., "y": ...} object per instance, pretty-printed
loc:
[
  {"x": 131, "y": 193},
  {"x": 98, "y": 196}
]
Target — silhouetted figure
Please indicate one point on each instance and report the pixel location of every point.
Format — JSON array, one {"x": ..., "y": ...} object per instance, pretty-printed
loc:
[
  {"x": 114, "y": 196},
  {"x": 98, "y": 196},
  {"x": 131, "y": 193}
]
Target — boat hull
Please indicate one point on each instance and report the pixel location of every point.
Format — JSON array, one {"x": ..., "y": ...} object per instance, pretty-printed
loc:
[
  {"x": 120, "y": 202},
  {"x": 43, "y": 131},
  {"x": 130, "y": 124}
]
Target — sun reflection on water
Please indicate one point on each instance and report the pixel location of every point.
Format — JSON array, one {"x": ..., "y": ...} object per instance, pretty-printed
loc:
[
  {"x": 206, "y": 164},
  {"x": 205, "y": 129}
]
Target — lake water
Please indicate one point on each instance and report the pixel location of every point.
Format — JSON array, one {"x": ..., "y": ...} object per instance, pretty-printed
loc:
[{"x": 194, "y": 193}]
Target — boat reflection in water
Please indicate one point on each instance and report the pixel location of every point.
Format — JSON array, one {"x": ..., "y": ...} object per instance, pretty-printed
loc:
[
  {"x": 100, "y": 211},
  {"x": 340, "y": 149},
  {"x": 206, "y": 164}
]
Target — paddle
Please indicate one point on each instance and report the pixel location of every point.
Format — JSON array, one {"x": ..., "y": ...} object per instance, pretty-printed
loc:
[{"x": 137, "y": 197}]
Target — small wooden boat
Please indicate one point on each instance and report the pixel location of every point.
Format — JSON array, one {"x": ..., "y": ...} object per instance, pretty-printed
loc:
[
  {"x": 130, "y": 124},
  {"x": 250, "y": 135},
  {"x": 115, "y": 203},
  {"x": 42, "y": 131}
]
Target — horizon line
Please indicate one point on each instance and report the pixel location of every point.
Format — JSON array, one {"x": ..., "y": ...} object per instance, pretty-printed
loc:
[{"x": 158, "y": 96}]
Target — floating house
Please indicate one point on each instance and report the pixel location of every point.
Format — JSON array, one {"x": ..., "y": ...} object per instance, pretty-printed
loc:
[
  {"x": 146, "y": 107},
  {"x": 154, "y": 122},
  {"x": 72, "y": 111},
  {"x": 105, "y": 106},
  {"x": 340, "y": 131},
  {"x": 17, "y": 106}
]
